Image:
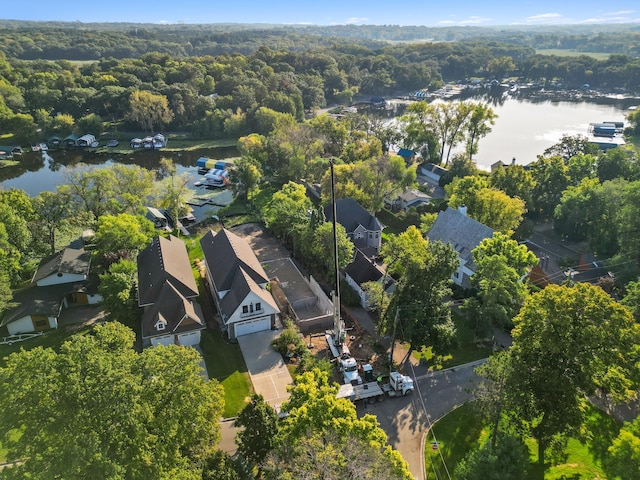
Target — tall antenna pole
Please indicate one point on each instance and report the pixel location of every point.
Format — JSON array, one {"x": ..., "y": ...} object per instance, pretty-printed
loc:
[{"x": 339, "y": 331}]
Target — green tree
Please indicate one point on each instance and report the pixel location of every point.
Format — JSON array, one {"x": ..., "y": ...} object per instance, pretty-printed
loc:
[
  {"x": 53, "y": 215},
  {"x": 220, "y": 466},
  {"x": 98, "y": 409},
  {"x": 122, "y": 236},
  {"x": 246, "y": 176},
  {"x": 631, "y": 299},
  {"x": 174, "y": 191},
  {"x": 550, "y": 176},
  {"x": 623, "y": 460},
  {"x": 400, "y": 250},
  {"x": 419, "y": 299},
  {"x": 118, "y": 288},
  {"x": 149, "y": 110},
  {"x": 323, "y": 437},
  {"x": 478, "y": 125},
  {"x": 287, "y": 209},
  {"x": 508, "y": 459},
  {"x": 259, "y": 426},
  {"x": 501, "y": 266},
  {"x": 515, "y": 181},
  {"x": 569, "y": 342},
  {"x": 323, "y": 248}
]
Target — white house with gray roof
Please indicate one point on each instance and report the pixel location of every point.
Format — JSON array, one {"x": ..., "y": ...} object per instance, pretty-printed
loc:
[
  {"x": 238, "y": 284},
  {"x": 363, "y": 229},
  {"x": 464, "y": 234}
]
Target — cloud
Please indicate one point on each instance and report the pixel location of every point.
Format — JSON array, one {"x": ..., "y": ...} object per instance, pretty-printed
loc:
[
  {"x": 544, "y": 18},
  {"x": 474, "y": 20},
  {"x": 355, "y": 20},
  {"x": 618, "y": 13}
]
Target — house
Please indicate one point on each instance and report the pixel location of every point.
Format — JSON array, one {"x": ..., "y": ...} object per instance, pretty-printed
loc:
[
  {"x": 167, "y": 290},
  {"x": 158, "y": 218},
  {"x": 464, "y": 234},
  {"x": 408, "y": 199},
  {"x": 363, "y": 229},
  {"x": 238, "y": 284},
  {"x": 432, "y": 171},
  {"x": 363, "y": 270},
  {"x": 407, "y": 155},
  {"x": 61, "y": 280}
]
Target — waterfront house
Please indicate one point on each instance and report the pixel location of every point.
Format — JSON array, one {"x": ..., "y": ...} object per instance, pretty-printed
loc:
[{"x": 363, "y": 228}]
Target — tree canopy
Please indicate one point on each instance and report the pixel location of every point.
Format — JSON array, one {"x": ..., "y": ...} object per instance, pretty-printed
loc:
[{"x": 98, "y": 409}]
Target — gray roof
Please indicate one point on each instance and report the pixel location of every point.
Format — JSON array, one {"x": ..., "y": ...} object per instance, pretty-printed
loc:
[
  {"x": 462, "y": 232},
  {"x": 240, "y": 288},
  {"x": 34, "y": 300},
  {"x": 165, "y": 259},
  {"x": 155, "y": 214},
  {"x": 350, "y": 214},
  {"x": 69, "y": 260},
  {"x": 179, "y": 314},
  {"x": 225, "y": 253},
  {"x": 363, "y": 270}
]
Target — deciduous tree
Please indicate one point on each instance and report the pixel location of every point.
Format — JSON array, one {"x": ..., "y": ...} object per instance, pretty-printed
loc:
[{"x": 98, "y": 409}]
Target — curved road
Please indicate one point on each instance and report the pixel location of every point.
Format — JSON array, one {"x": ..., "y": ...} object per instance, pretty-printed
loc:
[{"x": 406, "y": 420}]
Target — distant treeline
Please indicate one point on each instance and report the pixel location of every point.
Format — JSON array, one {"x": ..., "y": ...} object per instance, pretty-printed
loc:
[{"x": 83, "y": 41}]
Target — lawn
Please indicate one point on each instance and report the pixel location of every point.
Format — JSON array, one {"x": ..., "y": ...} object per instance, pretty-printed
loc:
[
  {"x": 467, "y": 351},
  {"x": 50, "y": 339},
  {"x": 225, "y": 363},
  {"x": 572, "y": 53},
  {"x": 463, "y": 430}
]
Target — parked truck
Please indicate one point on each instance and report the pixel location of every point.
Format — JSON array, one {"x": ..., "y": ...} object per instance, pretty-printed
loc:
[{"x": 398, "y": 386}]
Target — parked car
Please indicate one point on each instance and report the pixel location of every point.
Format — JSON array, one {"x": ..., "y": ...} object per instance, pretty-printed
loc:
[{"x": 112, "y": 143}]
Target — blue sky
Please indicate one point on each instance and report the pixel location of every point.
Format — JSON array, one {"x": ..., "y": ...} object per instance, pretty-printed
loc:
[{"x": 331, "y": 12}]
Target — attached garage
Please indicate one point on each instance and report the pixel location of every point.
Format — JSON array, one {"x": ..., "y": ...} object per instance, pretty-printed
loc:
[
  {"x": 163, "y": 340},
  {"x": 252, "y": 326},
  {"x": 189, "y": 338}
]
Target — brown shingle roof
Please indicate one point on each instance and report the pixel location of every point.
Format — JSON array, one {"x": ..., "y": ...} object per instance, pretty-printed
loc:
[
  {"x": 166, "y": 259},
  {"x": 178, "y": 313},
  {"x": 69, "y": 260}
]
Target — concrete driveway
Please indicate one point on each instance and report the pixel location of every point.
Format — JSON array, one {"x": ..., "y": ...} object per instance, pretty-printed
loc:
[{"x": 268, "y": 372}]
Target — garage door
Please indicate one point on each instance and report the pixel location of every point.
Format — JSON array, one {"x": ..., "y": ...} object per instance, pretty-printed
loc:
[
  {"x": 164, "y": 340},
  {"x": 252, "y": 326},
  {"x": 191, "y": 338}
]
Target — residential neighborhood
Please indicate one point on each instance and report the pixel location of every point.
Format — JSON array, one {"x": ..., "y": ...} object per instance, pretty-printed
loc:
[{"x": 298, "y": 252}]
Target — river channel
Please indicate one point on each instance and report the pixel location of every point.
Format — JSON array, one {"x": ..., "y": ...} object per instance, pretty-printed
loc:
[{"x": 522, "y": 130}]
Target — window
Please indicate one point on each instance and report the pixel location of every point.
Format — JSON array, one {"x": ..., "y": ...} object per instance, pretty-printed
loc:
[
  {"x": 245, "y": 309},
  {"x": 160, "y": 325},
  {"x": 258, "y": 306}
]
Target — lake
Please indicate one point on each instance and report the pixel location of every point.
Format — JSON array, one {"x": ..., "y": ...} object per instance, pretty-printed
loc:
[{"x": 523, "y": 130}]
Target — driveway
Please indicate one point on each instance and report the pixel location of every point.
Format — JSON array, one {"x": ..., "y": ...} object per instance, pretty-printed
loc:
[{"x": 268, "y": 372}]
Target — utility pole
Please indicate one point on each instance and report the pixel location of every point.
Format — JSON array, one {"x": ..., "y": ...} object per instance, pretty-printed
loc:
[{"x": 393, "y": 336}]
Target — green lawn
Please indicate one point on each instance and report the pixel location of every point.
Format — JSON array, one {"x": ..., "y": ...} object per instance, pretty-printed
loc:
[
  {"x": 572, "y": 53},
  {"x": 467, "y": 351},
  {"x": 463, "y": 430},
  {"x": 51, "y": 339},
  {"x": 226, "y": 364}
]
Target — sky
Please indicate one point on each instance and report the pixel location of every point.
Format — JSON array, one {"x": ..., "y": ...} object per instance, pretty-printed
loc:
[{"x": 331, "y": 12}]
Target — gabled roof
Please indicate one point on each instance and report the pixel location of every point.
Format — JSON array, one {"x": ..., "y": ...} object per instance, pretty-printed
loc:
[
  {"x": 363, "y": 270},
  {"x": 412, "y": 195},
  {"x": 155, "y": 214},
  {"x": 34, "y": 300},
  {"x": 406, "y": 153},
  {"x": 350, "y": 214},
  {"x": 242, "y": 285},
  {"x": 70, "y": 260},
  {"x": 462, "y": 232},
  {"x": 225, "y": 253},
  {"x": 176, "y": 312},
  {"x": 165, "y": 259}
]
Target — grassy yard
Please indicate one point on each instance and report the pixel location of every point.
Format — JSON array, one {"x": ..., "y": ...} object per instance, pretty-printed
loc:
[
  {"x": 466, "y": 352},
  {"x": 51, "y": 339},
  {"x": 226, "y": 364},
  {"x": 463, "y": 430},
  {"x": 571, "y": 53}
]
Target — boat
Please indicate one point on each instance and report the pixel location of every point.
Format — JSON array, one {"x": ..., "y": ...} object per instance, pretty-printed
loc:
[
  {"x": 43, "y": 147},
  {"x": 158, "y": 141},
  {"x": 112, "y": 143},
  {"x": 216, "y": 178}
]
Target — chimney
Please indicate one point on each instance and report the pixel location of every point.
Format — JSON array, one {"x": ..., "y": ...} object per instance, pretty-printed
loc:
[
  {"x": 513, "y": 161},
  {"x": 463, "y": 210}
]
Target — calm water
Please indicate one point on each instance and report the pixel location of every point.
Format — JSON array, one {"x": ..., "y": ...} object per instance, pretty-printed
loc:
[{"x": 523, "y": 130}]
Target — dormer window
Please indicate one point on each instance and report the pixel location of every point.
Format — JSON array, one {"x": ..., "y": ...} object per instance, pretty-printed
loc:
[{"x": 160, "y": 325}]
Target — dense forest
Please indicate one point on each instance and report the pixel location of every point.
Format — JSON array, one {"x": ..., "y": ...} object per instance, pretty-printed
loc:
[{"x": 216, "y": 81}]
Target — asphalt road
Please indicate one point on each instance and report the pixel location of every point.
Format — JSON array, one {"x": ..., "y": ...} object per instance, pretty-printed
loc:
[{"x": 406, "y": 420}]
